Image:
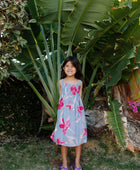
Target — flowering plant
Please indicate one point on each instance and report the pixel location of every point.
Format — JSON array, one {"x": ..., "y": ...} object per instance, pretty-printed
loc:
[{"x": 134, "y": 106}]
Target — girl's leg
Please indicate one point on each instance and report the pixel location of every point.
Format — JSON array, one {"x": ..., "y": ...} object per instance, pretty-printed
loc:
[
  {"x": 64, "y": 151},
  {"x": 78, "y": 155}
]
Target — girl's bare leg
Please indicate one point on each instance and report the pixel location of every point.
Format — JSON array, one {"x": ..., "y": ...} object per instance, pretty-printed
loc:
[
  {"x": 64, "y": 151},
  {"x": 78, "y": 155}
]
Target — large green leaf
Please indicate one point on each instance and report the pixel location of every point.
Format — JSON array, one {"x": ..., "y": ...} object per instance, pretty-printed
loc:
[
  {"x": 84, "y": 15},
  {"x": 49, "y": 9},
  {"x": 115, "y": 121},
  {"x": 115, "y": 70},
  {"x": 114, "y": 41},
  {"x": 123, "y": 21}
]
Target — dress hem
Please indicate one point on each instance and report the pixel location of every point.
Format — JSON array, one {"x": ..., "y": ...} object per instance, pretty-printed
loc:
[{"x": 69, "y": 145}]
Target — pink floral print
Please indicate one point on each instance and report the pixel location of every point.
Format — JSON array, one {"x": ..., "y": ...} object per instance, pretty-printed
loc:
[
  {"x": 59, "y": 141},
  {"x": 70, "y": 129},
  {"x": 61, "y": 104},
  {"x": 52, "y": 136},
  {"x": 78, "y": 90},
  {"x": 69, "y": 105},
  {"x": 80, "y": 108},
  {"x": 85, "y": 132},
  {"x": 73, "y": 89},
  {"x": 65, "y": 126}
]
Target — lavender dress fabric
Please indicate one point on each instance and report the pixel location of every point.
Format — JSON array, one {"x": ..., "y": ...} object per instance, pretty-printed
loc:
[{"x": 71, "y": 128}]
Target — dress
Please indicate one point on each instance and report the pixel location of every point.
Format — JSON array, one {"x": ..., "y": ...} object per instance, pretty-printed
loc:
[{"x": 71, "y": 128}]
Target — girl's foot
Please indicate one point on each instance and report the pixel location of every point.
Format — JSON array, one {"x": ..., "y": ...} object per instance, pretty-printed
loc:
[
  {"x": 77, "y": 167},
  {"x": 62, "y": 167}
]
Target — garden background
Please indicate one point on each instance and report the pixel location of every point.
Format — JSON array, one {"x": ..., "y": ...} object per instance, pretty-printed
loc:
[{"x": 35, "y": 37}]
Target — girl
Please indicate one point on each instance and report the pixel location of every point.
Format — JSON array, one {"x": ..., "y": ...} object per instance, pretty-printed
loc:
[{"x": 70, "y": 129}]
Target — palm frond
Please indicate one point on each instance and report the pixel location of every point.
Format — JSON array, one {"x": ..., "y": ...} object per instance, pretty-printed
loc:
[{"x": 114, "y": 120}]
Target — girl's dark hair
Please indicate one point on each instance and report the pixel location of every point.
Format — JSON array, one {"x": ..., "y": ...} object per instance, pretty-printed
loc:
[{"x": 75, "y": 62}]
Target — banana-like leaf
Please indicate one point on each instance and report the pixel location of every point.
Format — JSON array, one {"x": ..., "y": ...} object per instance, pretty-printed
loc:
[
  {"x": 115, "y": 121},
  {"x": 26, "y": 69},
  {"x": 49, "y": 10},
  {"x": 115, "y": 70},
  {"x": 123, "y": 21},
  {"x": 84, "y": 15}
]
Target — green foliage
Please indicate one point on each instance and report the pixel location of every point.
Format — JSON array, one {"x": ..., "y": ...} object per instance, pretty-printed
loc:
[
  {"x": 13, "y": 20},
  {"x": 115, "y": 121},
  {"x": 46, "y": 66},
  {"x": 115, "y": 3},
  {"x": 48, "y": 127},
  {"x": 20, "y": 109},
  {"x": 115, "y": 42},
  {"x": 113, "y": 38},
  {"x": 49, "y": 10},
  {"x": 116, "y": 69},
  {"x": 125, "y": 3},
  {"x": 83, "y": 16}
]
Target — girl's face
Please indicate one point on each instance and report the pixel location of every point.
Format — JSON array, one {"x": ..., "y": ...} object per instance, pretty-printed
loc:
[{"x": 69, "y": 69}]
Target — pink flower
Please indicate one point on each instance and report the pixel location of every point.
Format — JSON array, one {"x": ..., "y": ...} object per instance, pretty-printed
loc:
[
  {"x": 80, "y": 108},
  {"x": 65, "y": 126},
  {"x": 59, "y": 141},
  {"x": 78, "y": 90},
  {"x": 133, "y": 106},
  {"x": 61, "y": 104},
  {"x": 85, "y": 132},
  {"x": 69, "y": 105},
  {"x": 73, "y": 89},
  {"x": 52, "y": 136}
]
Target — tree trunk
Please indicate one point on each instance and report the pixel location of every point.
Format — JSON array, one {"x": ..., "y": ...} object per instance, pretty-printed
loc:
[{"x": 95, "y": 118}]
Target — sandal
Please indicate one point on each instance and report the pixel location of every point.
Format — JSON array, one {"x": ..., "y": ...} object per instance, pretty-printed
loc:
[
  {"x": 75, "y": 167},
  {"x": 62, "y": 167}
]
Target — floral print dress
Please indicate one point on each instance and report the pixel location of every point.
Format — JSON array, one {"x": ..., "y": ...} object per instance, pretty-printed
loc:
[{"x": 70, "y": 129}]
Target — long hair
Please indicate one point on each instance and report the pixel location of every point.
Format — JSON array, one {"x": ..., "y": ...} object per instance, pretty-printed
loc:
[{"x": 75, "y": 62}]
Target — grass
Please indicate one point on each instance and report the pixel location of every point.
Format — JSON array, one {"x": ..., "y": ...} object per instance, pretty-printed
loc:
[{"x": 42, "y": 154}]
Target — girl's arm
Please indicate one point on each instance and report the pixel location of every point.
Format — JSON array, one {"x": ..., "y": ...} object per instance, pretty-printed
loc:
[
  {"x": 81, "y": 87},
  {"x": 59, "y": 85}
]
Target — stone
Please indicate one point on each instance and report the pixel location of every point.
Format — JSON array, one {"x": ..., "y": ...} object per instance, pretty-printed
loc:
[
  {"x": 133, "y": 128},
  {"x": 95, "y": 121}
]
